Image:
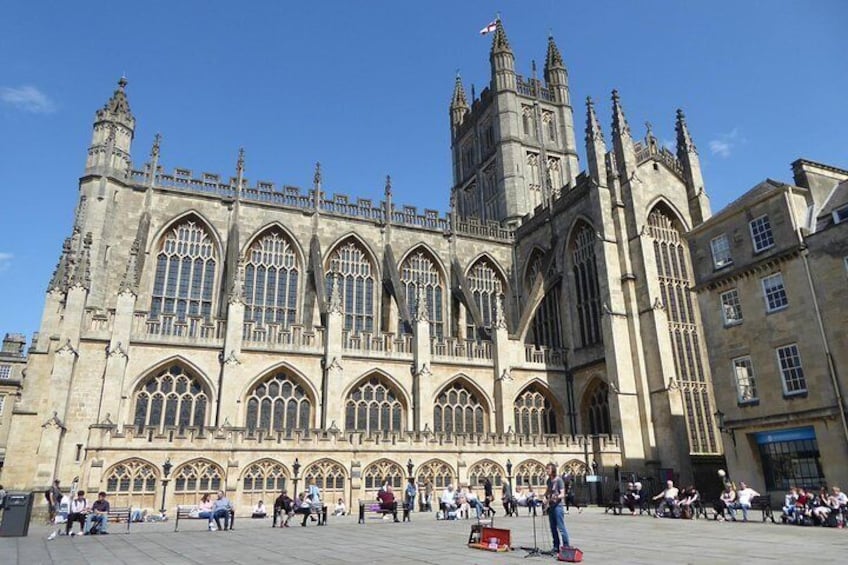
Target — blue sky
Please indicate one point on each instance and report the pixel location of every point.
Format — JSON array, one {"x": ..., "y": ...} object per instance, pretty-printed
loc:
[{"x": 364, "y": 87}]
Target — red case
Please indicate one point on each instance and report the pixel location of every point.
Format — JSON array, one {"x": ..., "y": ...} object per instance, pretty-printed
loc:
[{"x": 570, "y": 554}]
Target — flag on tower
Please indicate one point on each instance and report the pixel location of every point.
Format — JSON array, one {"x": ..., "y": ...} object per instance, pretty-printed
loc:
[{"x": 489, "y": 28}]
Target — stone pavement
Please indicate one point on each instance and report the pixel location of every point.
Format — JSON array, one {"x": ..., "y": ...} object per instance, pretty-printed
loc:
[{"x": 603, "y": 538}]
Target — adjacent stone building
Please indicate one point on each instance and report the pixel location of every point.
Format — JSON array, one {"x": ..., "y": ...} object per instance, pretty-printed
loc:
[
  {"x": 772, "y": 272},
  {"x": 252, "y": 335},
  {"x": 12, "y": 364}
]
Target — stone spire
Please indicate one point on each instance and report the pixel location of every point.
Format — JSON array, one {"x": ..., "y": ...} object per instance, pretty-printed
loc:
[
  {"x": 316, "y": 187},
  {"x": 502, "y": 61},
  {"x": 684, "y": 139},
  {"x": 117, "y": 108},
  {"x": 154, "y": 160},
  {"x": 130, "y": 281},
  {"x": 58, "y": 282},
  {"x": 335, "y": 305},
  {"x": 81, "y": 276},
  {"x": 553, "y": 60},
  {"x": 622, "y": 142},
  {"x": 111, "y": 140},
  {"x": 239, "y": 172},
  {"x": 699, "y": 203},
  {"x": 596, "y": 147},
  {"x": 459, "y": 104},
  {"x": 421, "y": 313}
]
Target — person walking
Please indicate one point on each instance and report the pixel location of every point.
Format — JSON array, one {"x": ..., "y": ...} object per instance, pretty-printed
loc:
[{"x": 554, "y": 495}]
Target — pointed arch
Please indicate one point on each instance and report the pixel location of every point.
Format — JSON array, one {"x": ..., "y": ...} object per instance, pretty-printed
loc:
[
  {"x": 132, "y": 482},
  {"x": 167, "y": 362},
  {"x": 190, "y": 214},
  {"x": 575, "y": 468},
  {"x": 585, "y": 284},
  {"x": 354, "y": 265},
  {"x": 195, "y": 478},
  {"x": 531, "y": 473},
  {"x": 460, "y": 407},
  {"x": 280, "y": 401},
  {"x": 486, "y": 280},
  {"x": 595, "y": 408},
  {"x": 273, "y": 272},
  {"x": 329, "y": 476},
  {"x": 375, "y": 403},
  {"x": 486, "y": 469},
  {"x": 437, "y": 472},
  {"x": 367, "y": 248},
  {"x": 263, "y": 480},
  {"x": 188, "y": 254},
  {"x": 171, "y": 396},
  {"x": 536, "y": 410},
  {"x": 271, "y": 226},
  {"x": 533, "y": 266},
  {"x": 380, "y": 473},
  {"x": 662, "y": 203},
  {"x": 421, "y": 266}
]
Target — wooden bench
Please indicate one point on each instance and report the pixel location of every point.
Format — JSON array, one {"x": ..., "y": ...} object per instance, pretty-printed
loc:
[
  {"x": 319, "y": 510},
  {"x": 184, "y": 512},
  {"x": 374, "y": 507},
  {"x": 117, "y": 515}
]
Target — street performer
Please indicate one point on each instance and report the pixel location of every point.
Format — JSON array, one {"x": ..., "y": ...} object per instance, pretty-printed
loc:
[{"x": 554, "y": 496}]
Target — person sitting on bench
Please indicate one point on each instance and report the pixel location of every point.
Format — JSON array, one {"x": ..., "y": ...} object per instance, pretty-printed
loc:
[
  {"x": 448, "y": 502},
  {"x": 98, "y": 519},
  {"x": 631, "y": 497},
  {"x": 304, "y": 506},
  {"x": 204, "y": 510},
  {"x": 387, "y": 501},
  {"x": 221, "y": 509},
  {"x": 743, "y": 501},
  {"x": 668, "y": 499},
  {"x": 688, "y": 499},
  {"x": 79, "y": 507}
]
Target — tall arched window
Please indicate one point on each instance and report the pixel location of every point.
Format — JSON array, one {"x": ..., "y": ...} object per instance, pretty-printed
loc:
[
  {"x": 132, "y": 483},
  {"x": 485, "y": 284},
  {"x": 597, "y": 410},
  {"x": 374, "y": 406},
  {"x": 547, "y": 330},
  {"x": 173, "y": 397},
  {"x": 381, "y": 472},
  {"x": 575, "y": 468},
  {"x": 263, "y": 480},
  {"x": 483, "y": 470},
  {"x": 356, "y": 284},
  {"x": 458, "y": 410},
  {"x": 196, "y": 478},
  {"x": 675, "y": 282},
  {"x": 534, "y": 267},
  {"x": 420, "y": 269},
  {"x": 531, "y": 473},
  {"x": 185, "y": 273},
  {"x": 437, "y": 473},
  {"x": 327, "y": 475},
  {"x": 588, "y": 303},
  {"x": 534, "y": 181},
  {"x": 278, "y": 403},
  {"x": 533, "y": 413},
  {"x": 270, "y": 280}
]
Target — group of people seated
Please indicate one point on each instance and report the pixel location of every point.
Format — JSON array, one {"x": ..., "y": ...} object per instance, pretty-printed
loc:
[
  {"x": 214, "y": 511},
  {"x": 285, "y": 507},
  {"x": 93, "y": 518},
  {"x": 822, "y": 508},
  {"x": 733, "y": 499},
  {"x": 672, "y": 501},
  {"x": 458, "y": 503}
]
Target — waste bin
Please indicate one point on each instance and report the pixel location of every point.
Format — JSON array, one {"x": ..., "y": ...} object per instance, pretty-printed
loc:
[{"x": 17, "y": 510}]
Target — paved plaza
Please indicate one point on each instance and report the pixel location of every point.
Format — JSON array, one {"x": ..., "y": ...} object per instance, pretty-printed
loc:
[{"x": 604, "y": 539}]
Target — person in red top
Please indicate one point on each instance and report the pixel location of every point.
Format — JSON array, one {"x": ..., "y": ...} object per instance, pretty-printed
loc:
[{"x": 387, "y": 501}]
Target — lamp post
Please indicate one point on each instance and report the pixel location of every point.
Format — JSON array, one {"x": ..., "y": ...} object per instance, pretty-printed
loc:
[
  {"x": 296, "y": 468},
  {"x": 166, "y": 469},
  {"x": 722, "y": 426}
]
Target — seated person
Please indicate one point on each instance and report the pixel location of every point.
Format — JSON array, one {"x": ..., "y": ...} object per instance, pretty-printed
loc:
[
  {"x": 521, "y": 497},
  {"x": 222, "y": 508},
  {"x": 789, "y": 508},
  {"x": 79, "y": 508},
  {"x": 97, "y": 520},
  {"x": 304, "y": 506},
  {"x": 448, "y": 501},
  {"x": 474, "y": 502},
  {"x": 387, "y": 500},
  {"x": 689, "y": 498},
  {"x": 668, "y": 499},
  {"x": 725, "y": 501},
  {"x": 283, "y": 506},
  {"x": 204, "y": 509},
  {"x": 631, "y": 497},
  {"x": 507, "y": 499},
  {"x": 341, "y": 509},
  {"x": 743, "y": 501},
  {"x": 259, "y": 510},
  {"x": 137, "y": 514}
]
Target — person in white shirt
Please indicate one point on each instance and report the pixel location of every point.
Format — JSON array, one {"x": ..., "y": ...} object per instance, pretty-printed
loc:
[
  {"x": 448, "y": 502},
  {"x": 340, "y": 509},
  {"x": 79, "y": 508},
  {"x": 743, "y": 501},
  {"x": 259, "y": 510},
  {"x": 669, "y": 499}
]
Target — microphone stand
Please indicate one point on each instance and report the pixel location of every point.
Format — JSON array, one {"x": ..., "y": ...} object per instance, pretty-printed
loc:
[{"x": 534, "y": 551}]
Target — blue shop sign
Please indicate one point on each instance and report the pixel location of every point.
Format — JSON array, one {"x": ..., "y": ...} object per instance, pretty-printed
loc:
[{"x": 794, "y": 434}]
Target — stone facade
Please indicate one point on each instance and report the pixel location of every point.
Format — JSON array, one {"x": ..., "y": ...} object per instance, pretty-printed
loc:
[
  {"x": 254, "y": 335},
  {"x": 12, "y": 365},
  {"x": 771, "y": 270}
]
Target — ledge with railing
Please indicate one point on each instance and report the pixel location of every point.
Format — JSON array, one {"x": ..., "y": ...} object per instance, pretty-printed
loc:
[
  {"x": 381, "y": 344},
  {"x": 98, "y": 323},
  {"x": 546, "y": 356},
  {"x": 334, "y": 438},
  {"x": 282, "y": 338},
  {"x": 173, "y": 329},
  {"x": 467, "y": 350}
]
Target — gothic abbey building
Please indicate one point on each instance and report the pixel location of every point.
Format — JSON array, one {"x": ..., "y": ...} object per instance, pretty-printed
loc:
[{"x": 253, "y": 335}]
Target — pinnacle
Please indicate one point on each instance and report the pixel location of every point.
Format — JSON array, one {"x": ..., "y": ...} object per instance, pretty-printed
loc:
[
  {"x": 458, "y": 100},
  {"x": 684, "y": 139},
  {"x": 593, "y": 127},
  {"x": 118, "y": 103},
  {"x": 500, "y": 41},
  {"x": 619, "y": 122},
  {"x": 554, "y": 57}
]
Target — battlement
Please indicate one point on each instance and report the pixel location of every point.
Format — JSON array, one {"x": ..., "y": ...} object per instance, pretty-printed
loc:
[{"x": 293, "y": 197}]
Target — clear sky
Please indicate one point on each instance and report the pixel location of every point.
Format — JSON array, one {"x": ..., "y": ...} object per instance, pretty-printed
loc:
[{"x": 364, "y": 88}]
